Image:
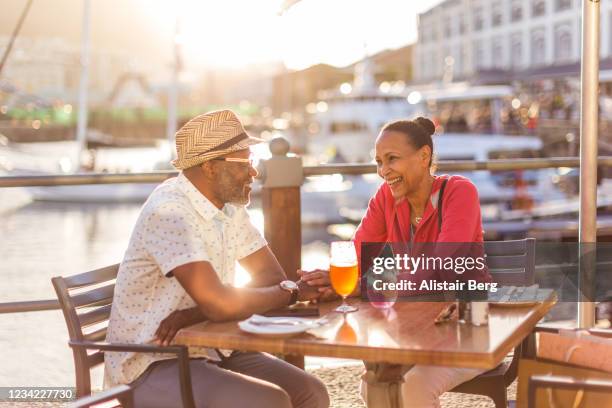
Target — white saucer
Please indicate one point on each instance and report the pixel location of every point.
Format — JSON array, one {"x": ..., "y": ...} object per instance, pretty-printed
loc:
[{"x": 277, "y": 330}]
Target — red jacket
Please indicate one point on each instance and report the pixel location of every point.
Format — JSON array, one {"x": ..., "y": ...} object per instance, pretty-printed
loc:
[{"x": 389, "y": 221}]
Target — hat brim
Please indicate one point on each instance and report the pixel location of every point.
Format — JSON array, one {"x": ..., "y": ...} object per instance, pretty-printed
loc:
[{"x": 186, "y": 163}]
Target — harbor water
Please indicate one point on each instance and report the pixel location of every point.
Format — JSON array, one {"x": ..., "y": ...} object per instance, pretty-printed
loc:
[{"x": 41, "y": 240}]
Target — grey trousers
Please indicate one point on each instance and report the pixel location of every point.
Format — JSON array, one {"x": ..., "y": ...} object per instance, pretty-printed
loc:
[{"x": 250, "y": 380}]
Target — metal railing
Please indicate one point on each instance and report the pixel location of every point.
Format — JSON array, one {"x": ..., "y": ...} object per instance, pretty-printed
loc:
[
  {"x": 285, "y": 168},
  {"x": 320, "y": 170}
]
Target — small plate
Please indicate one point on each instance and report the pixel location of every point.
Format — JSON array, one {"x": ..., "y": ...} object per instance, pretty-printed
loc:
[{"x": 295, "y": 326}]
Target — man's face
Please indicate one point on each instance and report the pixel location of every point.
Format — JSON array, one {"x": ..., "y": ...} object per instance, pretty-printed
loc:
[{"x": 233, "y": 179}]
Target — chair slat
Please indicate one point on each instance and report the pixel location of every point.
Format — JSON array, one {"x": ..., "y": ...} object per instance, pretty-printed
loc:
[
  {"x": 95, "y": 359},
  {"x": 506, "y": 262},
  {"x": 96, "y": 297},
  {"x": 98, "y": 335},
  {"x": 510, "y": 278},
  {"x": 95, "y": 316},
  {"x": 92, "y": 277},
  {"x": 512, "y": 247}
]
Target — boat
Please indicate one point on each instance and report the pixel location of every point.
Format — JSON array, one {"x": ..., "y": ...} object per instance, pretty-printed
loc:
[
  {"x": 470, "y": 126},
  {"x": 52, "y": 158},
  {"x": 460, "y": 107},
  {"x": 345, "y": 121}
]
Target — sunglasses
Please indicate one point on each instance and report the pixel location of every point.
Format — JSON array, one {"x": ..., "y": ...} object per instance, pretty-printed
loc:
[{"x": 251, "y": 161}]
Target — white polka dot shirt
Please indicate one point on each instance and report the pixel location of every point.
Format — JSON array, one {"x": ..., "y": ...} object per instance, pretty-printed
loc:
[{"x": 177, "y": 225}]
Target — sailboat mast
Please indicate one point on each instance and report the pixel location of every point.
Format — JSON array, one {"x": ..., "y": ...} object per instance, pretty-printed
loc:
[
  {"x": 173, "y": 88},
  {"x": 83, "y": 84}
]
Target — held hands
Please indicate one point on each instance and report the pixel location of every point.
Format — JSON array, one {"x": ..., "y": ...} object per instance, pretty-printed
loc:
[
  {"x": 307, "y": 292},
  {"x": 319, "y": 280}
]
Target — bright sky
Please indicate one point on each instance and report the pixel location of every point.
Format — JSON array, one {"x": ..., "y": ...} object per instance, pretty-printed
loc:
[{"x": 234, "y": 33}]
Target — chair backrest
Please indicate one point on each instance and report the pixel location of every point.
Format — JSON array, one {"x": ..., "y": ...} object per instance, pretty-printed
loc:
[
  {"x": 85, "y": 300},
  {"x": 511, "y": 262}
]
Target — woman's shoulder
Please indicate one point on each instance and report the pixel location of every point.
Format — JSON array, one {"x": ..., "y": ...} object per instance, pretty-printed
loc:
[
  {"x": 459, "y": 184},
  {"x": 456, "y": 180},
  {"x": 383, "y": 194}
]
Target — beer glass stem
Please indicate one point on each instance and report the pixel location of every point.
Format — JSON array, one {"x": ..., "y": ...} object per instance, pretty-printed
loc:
[{"x": 345, "y": 308}]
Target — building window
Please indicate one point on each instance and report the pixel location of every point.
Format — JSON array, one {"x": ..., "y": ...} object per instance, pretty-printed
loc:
[
  {"x": 478, "y": 55},
  {"x": 497, "y": 53},
  {"x": 424, "y": 66},
  {"x": 516, "y": 50},
  {"x": 422, "y": 34},
  {"x": 609, "y": 36},
  {"x": 563, "y": 5},
  {"x": 432, "y": 63},
  {"x": 538, "y": 8},
  {"x": 478, "y": 19},
  {"x": 496, "y": 14},
  {"x": 459, "y": 60},
  {"x": 447, "y": 27},
  {"x": 563, "y": 43},
  {"x": 538, "y": 47},
  {"x": 461, "y": 20},
  {"x": 516, "y": 10}
]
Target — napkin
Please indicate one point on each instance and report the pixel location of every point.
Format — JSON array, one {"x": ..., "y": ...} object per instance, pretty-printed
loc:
[{"x": 284, "y": 321}]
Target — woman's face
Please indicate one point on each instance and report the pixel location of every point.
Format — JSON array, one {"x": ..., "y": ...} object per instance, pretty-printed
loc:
[{"x": 401, "y": 165}]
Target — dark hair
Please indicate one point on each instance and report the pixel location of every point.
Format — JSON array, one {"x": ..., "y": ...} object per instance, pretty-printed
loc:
[{"x": 419, "y": 132}]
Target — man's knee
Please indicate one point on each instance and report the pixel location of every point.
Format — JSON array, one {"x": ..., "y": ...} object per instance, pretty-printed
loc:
[
  {"x": 316, "y": 394},
  {"x": 267, "y": 397}
]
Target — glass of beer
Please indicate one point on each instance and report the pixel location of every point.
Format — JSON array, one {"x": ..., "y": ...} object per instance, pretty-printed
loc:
[{"x": 343, "y": 272}]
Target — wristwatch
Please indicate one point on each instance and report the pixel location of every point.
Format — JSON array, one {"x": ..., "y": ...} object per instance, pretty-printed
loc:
[{"x": 290, "y": 286}]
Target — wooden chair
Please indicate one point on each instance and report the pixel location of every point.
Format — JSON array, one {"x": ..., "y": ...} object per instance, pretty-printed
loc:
[
  {"x": 564, "y": 382},
  {"x": 85, "y": 300},
  {"x": 510, "y": 263},
  {"x": 123, "y": 393}
]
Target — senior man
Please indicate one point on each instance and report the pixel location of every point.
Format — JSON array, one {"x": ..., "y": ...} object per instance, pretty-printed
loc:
[{"x": 180, "y": 263}]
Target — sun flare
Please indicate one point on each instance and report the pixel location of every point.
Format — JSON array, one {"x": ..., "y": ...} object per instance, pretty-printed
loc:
[{"x": 237, "y": 33}]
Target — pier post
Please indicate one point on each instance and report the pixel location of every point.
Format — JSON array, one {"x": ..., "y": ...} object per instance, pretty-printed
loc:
[{"x": 282, "y": 175}]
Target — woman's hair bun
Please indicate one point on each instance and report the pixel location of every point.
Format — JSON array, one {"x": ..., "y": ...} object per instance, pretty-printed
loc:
[{"x": 427, "y": 125}]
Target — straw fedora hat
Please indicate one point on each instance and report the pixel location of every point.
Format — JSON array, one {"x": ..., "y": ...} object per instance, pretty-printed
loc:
[{"x": 210, "y": 135}]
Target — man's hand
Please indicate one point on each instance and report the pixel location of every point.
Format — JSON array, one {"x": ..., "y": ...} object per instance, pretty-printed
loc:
[
  {"x": 327, "y": 294},
  {"x": 317, "y": 277},
  {"x": 174, "y": 322}
]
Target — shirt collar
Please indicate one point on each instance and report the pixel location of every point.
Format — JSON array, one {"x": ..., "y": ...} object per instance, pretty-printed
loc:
[{"x": 203, "y": 206}]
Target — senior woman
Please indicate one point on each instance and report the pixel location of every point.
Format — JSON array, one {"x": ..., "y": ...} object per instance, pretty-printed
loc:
[{"x": 404, "y": 209}]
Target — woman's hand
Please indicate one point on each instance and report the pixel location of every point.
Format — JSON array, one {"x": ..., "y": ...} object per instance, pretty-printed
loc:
[
  {"x": 319, "y": 278},
  {"x": 174, "y": 322}
]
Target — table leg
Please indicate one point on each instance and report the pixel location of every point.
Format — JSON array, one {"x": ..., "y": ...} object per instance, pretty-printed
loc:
[
  {"x": 383, "y": 384},
  {"x": 295, "y": 360}
]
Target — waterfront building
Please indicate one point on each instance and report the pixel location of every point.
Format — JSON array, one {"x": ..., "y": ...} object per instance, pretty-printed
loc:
[
  {"x": 50, "y": 67},
  {"x": 504, "y": 40}
]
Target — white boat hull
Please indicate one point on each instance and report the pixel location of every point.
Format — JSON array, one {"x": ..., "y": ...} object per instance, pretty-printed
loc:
[{"x": 99, "y": 193}]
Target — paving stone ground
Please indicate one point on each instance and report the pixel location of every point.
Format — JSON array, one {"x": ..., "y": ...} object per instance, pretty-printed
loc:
[{"x": 343, "y": 386}]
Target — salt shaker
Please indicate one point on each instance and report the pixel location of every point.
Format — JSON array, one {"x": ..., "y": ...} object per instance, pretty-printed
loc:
[
  {"x": 480, "y": 310},
  {"x": 464, "y": 311}
]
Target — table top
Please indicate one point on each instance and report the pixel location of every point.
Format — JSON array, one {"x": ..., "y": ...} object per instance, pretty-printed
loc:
[{"x": 404, "y": 334}]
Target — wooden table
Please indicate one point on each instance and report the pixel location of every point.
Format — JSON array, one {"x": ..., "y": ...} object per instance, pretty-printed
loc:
[{"x": 400, "y": 337}]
